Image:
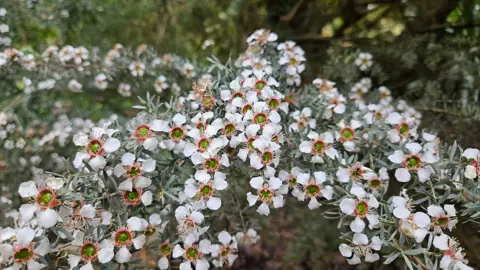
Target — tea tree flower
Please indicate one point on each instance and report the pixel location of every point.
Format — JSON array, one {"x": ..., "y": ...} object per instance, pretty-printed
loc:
[
  {"x": 315, "y": 189},
  {"x": 176, "y": 131},
  {"x": 361, "y": 247},
  {"x": 453, "y": 256},
  {"x": 266, "y": 192},
  {"x": 43, "y": 208},
  {"x": 95, "y": 146},
  {"x": 364, "y": 61},
  {"x": 363, "y": 207},
  {"x": 318, "y": 146},
  {"x": 445, "y": 218},
  {"x": 101, "y": 81},
  {"x": 203, "y": 189},
  {"x": 302, "y": 119},
  {"x": 134, "y": 171},
  {"x": 24, "y": 251},
  {"x": 161, "y": 84},
  {"x": 189, "y": 221},
  {"x": 226, "y": 252},
  {"x": 137, "y": 69},
  {"x": 193, "y": 254},
  {"x": 413, "y": 162},
  {"x": 473, "y": 158}
]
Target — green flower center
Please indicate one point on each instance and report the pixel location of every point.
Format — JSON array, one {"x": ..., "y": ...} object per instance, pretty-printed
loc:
[
  {"x": 225, "y": 251},
  {"x": 206, "y": 191},
  {"x": 123, "y": 237},
  {"x": 238, "y": 95},
  {"x": 203, "y": 144},
  {"x": 229, "y": 129},
  {"x": 265, "y": 195},
  {"x": 177, "y": 133},
  {"x": 250, "y": 144},
  {"x": 290, "y": 98},
  {"x": 347, "y": 133},
  {"x": 318, "y": 147},
  {"x": 134, "y": 171},
  {"x": 207, "y": 101},
  {"x": 132, "y": 195},
  {"x": 94, "y": 147},
  {"x": 211, "y": 164},
  {"x": 260, "y": 118},
  {"x": 23, "y": 254},
  {"x": 273, "y": 103},
  {"x": 45, "y": 197},
  {"x": 150, "y": 231},
  {"x": 375, "y": 183},
  {"x": 201, "y": 127},
  {"x": 312, "y": 190},
  {"x": 442, "y": 221},
  {"x": 246, "y": 108},
  {"x": 356, "y": 172},
  {"x": 292, "y": 181},
  {"x": 142, "y": 132},
  {"x": 361, "y": 208},
  {"x": 413, "y": 162},
  {"x": 89, "y": 251},
  {"x": 403, "y": 128},
  {"x": 165, "y": 249},
  {"x": 292, "y": 61},
  {"x": 192, "y": 253},
  {"x": 267, "y": 157},
  {"x": 260, "y": 85}
]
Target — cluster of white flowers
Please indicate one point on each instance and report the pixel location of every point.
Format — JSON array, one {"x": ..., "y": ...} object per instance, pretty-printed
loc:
[
  {"x": 5, "y": 39},
  {"x": 77, "y": 68},
  {"x": 159, "y": 181}
]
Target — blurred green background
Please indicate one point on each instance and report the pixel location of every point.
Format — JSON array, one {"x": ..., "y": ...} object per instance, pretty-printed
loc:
[{"x": 428, "y": 53}]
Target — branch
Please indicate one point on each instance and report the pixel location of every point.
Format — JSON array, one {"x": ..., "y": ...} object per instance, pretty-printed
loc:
[
  {"x": 442, "y": 27},
  {"x": 289, "y": 17}
]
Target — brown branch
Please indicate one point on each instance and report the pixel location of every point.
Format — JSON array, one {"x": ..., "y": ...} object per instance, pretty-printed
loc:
[
  {"x": 437, "y": 110},
  {"x": 289, "y": 17},
  {"x": 442, "y": 27}
]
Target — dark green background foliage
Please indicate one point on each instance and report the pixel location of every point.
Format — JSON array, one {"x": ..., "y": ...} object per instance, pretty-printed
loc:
[{"x": 426, "y": 51}]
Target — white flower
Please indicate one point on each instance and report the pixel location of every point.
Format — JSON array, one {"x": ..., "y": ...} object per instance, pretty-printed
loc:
[
  {"x": 266, "y": 192},
  {"x": 203, "y": 189},
  {"x": 74, "y": 86},
  {"x": 137, "y": 69},
  {"x": 134, "y": 172},
  {"x": 95, "y": 145},
  {"x": 363, "y": 207},
  {"x": 161, "y": 84},
  {"x": 251, "y": 237},
  {"x": 318, "y": 146},
  {"x": 314, "y": 189},
  {"x": 124, "y": 89},
  {"x": 189, "y": 221},
  {"x": 226, "y": 252},
  {"x": 193, "y": 254},
  {"x": 46, "y": 199},
  {"x": 453, "y": 255},
  {"x": 101, "y": 81},
  {"x": 176, "y": 130},
  {"x": 413, "y": 162},
  {"x": 303, "y": 119},
  {"x": 24, "y": 252},
  {"x": 361, "y": 247},
  {"x": 442, "y": 218},
  {"x": 473, "y": 158},
  {"x": 364, "y": 61}
]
